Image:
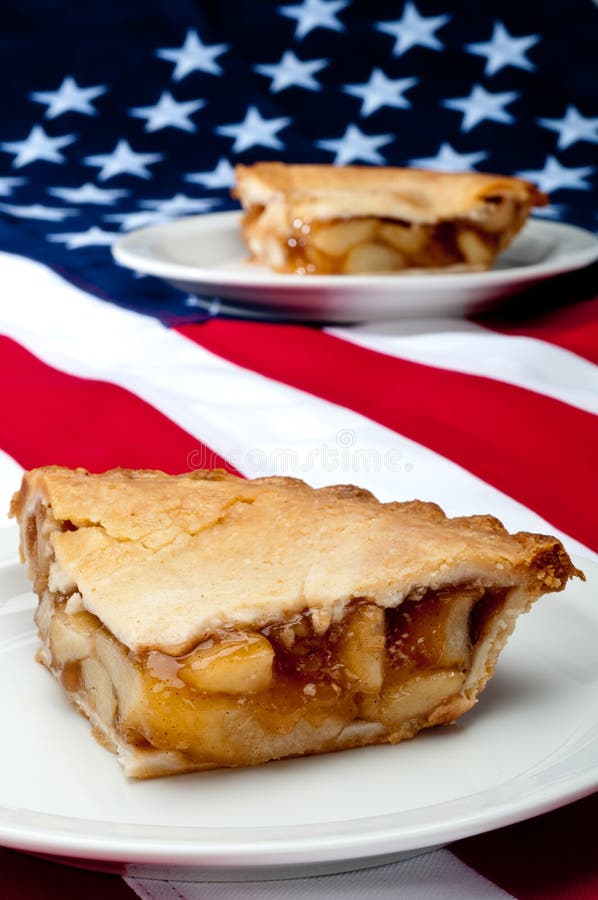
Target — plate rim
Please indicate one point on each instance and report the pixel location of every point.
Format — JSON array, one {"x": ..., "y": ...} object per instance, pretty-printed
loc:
[
  {"x": 269, "y": 851},
  {"x": 332, "y": 841},
  {"x": 124, "y": 252}
]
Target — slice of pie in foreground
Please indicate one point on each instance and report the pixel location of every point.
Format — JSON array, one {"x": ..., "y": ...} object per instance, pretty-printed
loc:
[
  {"x": 202, "y": 620},
  {"x": 329, "y": 220}
]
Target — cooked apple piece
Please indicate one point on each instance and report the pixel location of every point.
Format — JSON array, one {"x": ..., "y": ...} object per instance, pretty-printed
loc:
[
  {"x": 97, "y": 683},
  {"x": 433, "y": 631},
  {"x": 361, "y": 647},
  {"x": 412, "y": 697},
  {"x": 72, "y": 637},
  {"x": 408, "y": 239},
  {"x": 127, "y": 679},
  {"x": 338, "y": 237},
  {"x": 240, "y": 663},
  {"x": 474, "y": 248},
  {"x": 456, "y": 646},
  {"x": 198, "y": 727},
  {"x": 373, "y": 258}
]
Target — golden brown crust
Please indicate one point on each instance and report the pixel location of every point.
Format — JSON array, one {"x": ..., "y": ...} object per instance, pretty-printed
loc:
[
  {"x": 326, "y": 192},
  {"x": 165, "y": 560}
]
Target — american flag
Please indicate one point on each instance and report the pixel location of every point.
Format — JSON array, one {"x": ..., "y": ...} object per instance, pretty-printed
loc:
[{"x": 116, "y": 115}]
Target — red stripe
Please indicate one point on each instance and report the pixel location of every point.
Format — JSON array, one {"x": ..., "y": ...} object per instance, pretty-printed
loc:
[
  {"x": 573, "y": 327},
  {"x": 50, "y": 417},
  {"x": 26, "y": 878},
  {"x": 519, "y": 441},
  {"x": 551, "y": 857}
]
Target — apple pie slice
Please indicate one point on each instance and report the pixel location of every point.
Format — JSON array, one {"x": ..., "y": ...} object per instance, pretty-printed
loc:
[
  {"x": 202, "y": 620},
  {"x": 319, "y": 219}
]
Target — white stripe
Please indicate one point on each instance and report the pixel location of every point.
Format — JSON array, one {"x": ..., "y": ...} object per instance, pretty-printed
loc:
[
  {"x": 260, "y": 425},
  {"x": 432, "y": 876},
  {"x": 463, "y": 346},
  {"x": 10, "y": 478}
]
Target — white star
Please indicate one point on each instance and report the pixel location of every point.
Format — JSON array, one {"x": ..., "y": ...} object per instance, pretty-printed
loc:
[
  {"x": 573, "y": 127},
  {"x": 381, "y": 91},
  {"x": 223, "y": 176},
  {"x": 94, "y": 236},
  {"x": 413, "y": 30},
  {"x": 448, "y": 160},
  {"x": 482, "y": 104},
  {"x": 293, "y": 72},
  {"x": 7, "y": 184},
  {"x": 168, "y": 113},
  {"x": 123, "y": 160},
  {"x": 255, "y": 131},
  {"x": 69, "y": 97},
  {"x": 315, "y": 14},
  {"x": 179, "y": 205},
  {"x": 554, "y": 176},
  {"x": 37, "y": 211},
  {"x": 355, "y": 145},
  {"x": 193, "y": 56},
  {"x": 504, "y": 50},
  {"x": 88, "y": 193},
  {"x": 137, "y": 218},
  {"x": 38, "y": 145}
]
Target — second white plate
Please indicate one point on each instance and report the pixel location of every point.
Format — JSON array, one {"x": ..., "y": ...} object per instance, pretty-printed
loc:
[
  {"x": 529, "y": 746},
  {"x": 204, "y": 255}
]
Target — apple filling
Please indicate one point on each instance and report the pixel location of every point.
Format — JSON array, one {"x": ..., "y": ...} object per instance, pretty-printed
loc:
[
  {"x": 243, "y": 697},
  {"x": 369, "y": 244}
]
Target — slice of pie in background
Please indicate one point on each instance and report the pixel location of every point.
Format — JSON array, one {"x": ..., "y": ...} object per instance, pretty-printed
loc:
[{"x": 328, "y": 220}]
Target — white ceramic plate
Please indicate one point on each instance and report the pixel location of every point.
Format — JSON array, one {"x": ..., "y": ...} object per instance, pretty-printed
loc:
[
  {"x": 530, "y": 745},
  {"x": 204, "y": 256}
]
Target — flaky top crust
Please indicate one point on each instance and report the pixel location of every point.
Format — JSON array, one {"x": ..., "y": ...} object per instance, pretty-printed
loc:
[
  {"x": 416, "y": 195},
  {"x": 166, "y": 560}
]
